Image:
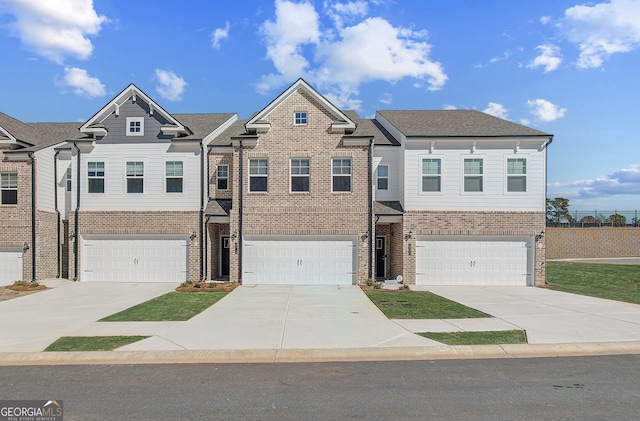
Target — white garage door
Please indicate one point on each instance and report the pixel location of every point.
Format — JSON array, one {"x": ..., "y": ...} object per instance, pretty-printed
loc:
[
  {"x": 473, "y": 261},
  {"x": 308, "y": 261},
  {"x": 10, "y": 265},
  {"x": 134, "y": 259}
]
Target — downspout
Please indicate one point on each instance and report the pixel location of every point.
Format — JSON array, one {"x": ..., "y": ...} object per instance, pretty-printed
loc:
[
  {"x": 202, "y": 205},
  {"x": 33, "y": 216},
  {"x": 371, "y": 229},
  {"x": 55, "y": 201},
  {"x": 241, "y": 170},
  {"x": 206, "y": 223},
  {"x": 76, "y": 224}
]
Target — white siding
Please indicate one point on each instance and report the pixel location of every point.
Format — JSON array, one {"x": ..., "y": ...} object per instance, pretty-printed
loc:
[
  {"x": 45, "y": 179},
  {"x": 154, "y": 197},
  {"x": 389, "y": 156},
  {"x": 494, "y": 196}
]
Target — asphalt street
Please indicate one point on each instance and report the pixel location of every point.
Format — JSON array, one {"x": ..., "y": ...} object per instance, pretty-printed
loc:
[{"x": 576, "y": 388}]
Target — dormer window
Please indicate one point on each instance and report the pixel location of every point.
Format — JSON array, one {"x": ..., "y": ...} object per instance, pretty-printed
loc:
[
  {"x": 300, "y": 118},
  {"x": 135, "y": 126}
]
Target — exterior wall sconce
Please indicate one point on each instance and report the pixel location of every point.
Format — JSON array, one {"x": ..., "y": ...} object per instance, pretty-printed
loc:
[
  {"x": 193, "y": 235},
  {"x": 408, "y": 235},
  {"x": 234, "y": 235},
  {"x": 25, "y": 247},
  {"x": 72, "y": 234},
  {"x": 364, "y": 237},
  {"x": 540, "y": 236}
]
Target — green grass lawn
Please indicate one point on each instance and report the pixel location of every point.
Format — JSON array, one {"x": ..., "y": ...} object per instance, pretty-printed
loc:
[
  {"x": 614, "y": 282},
  {"x": 420, "y": 305},
  {"x": 173, "y": 306},
  {"x": 478, "y": 338},
  {"x": 93, "y": 343}
]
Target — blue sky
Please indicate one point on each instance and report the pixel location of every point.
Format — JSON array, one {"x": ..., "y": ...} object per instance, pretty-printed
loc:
[{"x": 569, "y": 68}]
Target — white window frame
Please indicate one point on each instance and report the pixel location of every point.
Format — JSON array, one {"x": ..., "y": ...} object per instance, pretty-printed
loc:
[
  {"x": 300, "y": 118},
  {"x": 430, "y": 175},
  {"x": 225, "y": 177},
  {"x": 8, "y": 182},
  {"x": 259, "y": 174},
  {"x": 380, "y": 177},
  {"x": 138, "y": 173},
  {"x": 341, "y": 167},
  {"x": 294, "y": 172},
  {"x": 479, "y": 175},
  {"x": 509, "y": 175},
  {"x": 139, "y": 120},
  {"x": 96, "y": 176},
  {"x": 173, "y": 176},
  {"x": 68, "y": 179}
]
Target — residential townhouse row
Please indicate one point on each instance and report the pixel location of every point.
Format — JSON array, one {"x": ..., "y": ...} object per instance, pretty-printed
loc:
[{"x": 300, "y": 193}]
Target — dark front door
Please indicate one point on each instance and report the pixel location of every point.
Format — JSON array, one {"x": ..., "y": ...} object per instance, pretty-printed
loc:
[
  {"x": 381, "y": 257},
  {"x": 224, "y": 256}
]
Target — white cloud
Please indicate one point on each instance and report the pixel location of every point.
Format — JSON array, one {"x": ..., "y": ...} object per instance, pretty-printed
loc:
[
  {"x": 56, "y": 29},
  {"x": 220, "y": 34},
  {"x": 619, "y": 182},
  {"x": 545, "y": 20},
  {"x": 81, "y": 83},
  {"x": 545, "y": 110},
  {"x": 170, "y": 86},
  {"x": 603, "y": 29},
  {"x": 549, "y": 58},
  {"x": 346, "y": 12},
  {"x": 496, "y": 110},
  {"x": 340, "y": 58},
  {"x": 449, "y": 107},
  {"x": 386, "y": 98}
]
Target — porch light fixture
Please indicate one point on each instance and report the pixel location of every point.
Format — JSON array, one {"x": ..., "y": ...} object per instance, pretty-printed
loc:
[
  {"x": 364, "y": 237},
  {"x": 25, "y": 247},
  {"x": 408, "y": 235},
  {"x": 540, "y": 236},
  {"x": 193, "y": 235},
  {"x": 72, "y": 234}
]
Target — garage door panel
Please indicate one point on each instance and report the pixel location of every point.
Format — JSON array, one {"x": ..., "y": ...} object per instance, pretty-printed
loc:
[
  {"x": 503, "y": 261},
  {"x": 10, "y": 265},
  {"x": 298, "y": 261},
  {"x": 135, "y": 260}
]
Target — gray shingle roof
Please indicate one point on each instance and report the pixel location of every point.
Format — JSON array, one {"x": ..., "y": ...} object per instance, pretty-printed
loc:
[
  {"x": 387, "y": 208},
  {"x": 21, "y": 131},
  {"x": 202, "y": 124},
  {"x": 369, "y": 127},
  {"x": 455, "y": 123},
  {"x": 236, "y": 129}
]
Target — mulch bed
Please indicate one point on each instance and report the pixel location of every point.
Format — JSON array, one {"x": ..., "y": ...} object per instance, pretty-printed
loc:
[{"x": 205, "y": 287}]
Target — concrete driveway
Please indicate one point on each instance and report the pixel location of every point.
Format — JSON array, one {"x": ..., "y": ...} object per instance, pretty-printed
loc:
[
  {"x": 286, "y": 317},
  {"x": 33, "y": 322},
  {"x": 548, "y": 316}
]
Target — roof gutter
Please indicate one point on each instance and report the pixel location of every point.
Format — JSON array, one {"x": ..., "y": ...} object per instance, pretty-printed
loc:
[{"x": 76, "y": 213}]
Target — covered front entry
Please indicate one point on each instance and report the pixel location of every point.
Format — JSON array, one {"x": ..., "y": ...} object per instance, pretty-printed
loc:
[
  {"x": 474, "y": 261},
  {"x": 10, "y": 265},
  {"x": 299, "y": 260},
  {"x": 134, "y": 259}
]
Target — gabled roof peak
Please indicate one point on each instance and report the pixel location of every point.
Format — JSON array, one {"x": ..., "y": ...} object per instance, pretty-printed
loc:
[
  {"x": 343, "y": 123},
  {"x": 130, "y": 92}
]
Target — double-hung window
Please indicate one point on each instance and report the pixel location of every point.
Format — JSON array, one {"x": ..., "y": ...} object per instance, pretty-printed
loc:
[
  {"x": 68, "y": 179},
  {"x": 300, "y": 174},
  {"x": 135, "y": 177},
  {"x": 9, "y": 188},
  {"x": 473, "y": 175},
  {"x": 222, "y": 177},
  {"x": 95, "y": 177},
  {"x": 135, "y": 126},
  {"x": 258, "y": 174},
  {"x": 431, "y": 175},
  {"x": 300, "y": 118},
  {"x": 383, "y": 177},
  {"x": 341, "y": 174},
  {"x": 173, "y": 172},
  {"x": 516, "y": 175}
]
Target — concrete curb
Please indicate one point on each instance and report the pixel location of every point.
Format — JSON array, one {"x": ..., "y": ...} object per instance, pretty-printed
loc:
[{"x": 320, "y": 355}]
